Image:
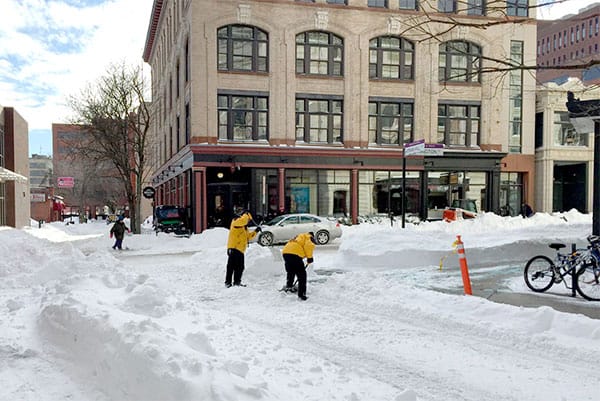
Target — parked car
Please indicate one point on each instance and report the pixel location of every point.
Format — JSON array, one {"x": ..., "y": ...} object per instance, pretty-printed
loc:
[{"x": 287, "y": 226}]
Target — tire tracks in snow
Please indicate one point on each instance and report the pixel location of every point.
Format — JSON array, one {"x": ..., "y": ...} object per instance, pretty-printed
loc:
[{"x": 385, "y": 346}]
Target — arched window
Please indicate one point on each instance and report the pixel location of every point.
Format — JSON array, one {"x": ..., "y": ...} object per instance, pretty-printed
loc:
[
  {"x": 319, "y": 53},
  {"x": 390, "y": 57},
  {"x": 242, "y": 48},
  {"x": 459, "y": 62}
]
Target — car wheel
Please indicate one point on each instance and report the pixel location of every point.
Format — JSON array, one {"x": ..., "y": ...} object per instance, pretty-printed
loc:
[
  {"x": 322, "y": 237},
  {"x": 265, "y": 239}
]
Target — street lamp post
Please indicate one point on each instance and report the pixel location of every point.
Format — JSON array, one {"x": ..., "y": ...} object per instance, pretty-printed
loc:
[{"x": 585, "y": 117}]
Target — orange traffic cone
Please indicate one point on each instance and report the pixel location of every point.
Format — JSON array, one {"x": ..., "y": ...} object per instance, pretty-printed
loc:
[{"x": 460, "y": 249}]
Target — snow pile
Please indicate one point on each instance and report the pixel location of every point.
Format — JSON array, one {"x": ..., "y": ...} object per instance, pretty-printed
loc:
[{"x": 80, "y": 321}]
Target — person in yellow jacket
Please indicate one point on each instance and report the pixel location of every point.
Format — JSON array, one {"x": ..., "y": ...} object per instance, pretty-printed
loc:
[
  {"x": 236, "y": 247},
  {"x": 298, "y": 248}
]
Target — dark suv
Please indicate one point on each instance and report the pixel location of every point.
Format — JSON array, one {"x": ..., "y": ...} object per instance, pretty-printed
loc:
[{"x": 171, "y": 219}]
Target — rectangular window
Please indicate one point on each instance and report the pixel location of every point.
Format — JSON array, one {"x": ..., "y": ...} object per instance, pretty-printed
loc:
[
  {"x": 408, "y": 4},
  {"x": 337, "y": 2},
  {"x": 515, "y": 109},
  {"x": 377, "y": 3},
  {"x": 446, "y": 6},
  {"x": 476, "y": 7},
  {"x": 178, "y": 132},
  {"x": 390, "y": 122},
  {"x": 565, "y": 134},
  {"x": 177, "y": 72},
  {"x": 187, "y": 61},
  {"x": 187, "y": 124},
  {"x": 458, "y": 125},
  {"x": 242, "y": 117},
  {"x": 517, "y": 8},
  {"x": 319, "y": 120}
]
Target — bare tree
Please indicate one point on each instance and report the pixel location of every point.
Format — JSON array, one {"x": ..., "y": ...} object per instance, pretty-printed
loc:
[
  {"x": 116, "y": 121},
  {"x": 432, "y": 23}
]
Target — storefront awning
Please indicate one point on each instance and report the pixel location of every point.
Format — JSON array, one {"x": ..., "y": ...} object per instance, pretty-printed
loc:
[{"x": 7, "y": 175}]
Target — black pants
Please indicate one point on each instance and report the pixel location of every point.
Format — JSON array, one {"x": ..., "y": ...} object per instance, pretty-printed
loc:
[
  {"x": 294, "y": 266},
  {"x": 235, "y": 266}
]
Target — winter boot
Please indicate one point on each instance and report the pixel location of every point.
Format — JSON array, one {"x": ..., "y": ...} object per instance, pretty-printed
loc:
[{"x": 302, "y": 297}]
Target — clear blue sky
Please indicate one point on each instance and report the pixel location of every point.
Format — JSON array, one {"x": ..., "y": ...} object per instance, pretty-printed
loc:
[
  {"x": 51, "y": 49},
  {"x": 40, "y": 142}
]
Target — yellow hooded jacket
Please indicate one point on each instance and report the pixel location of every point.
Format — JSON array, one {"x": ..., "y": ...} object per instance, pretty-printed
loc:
[
  {"x": 301, "y": 246},
  {"x": 239, "y": 234}
]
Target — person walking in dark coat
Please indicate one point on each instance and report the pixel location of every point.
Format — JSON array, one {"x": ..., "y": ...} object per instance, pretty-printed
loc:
[
  {"x": 118, "y": 230},
  {"x": 294, "y": 252}
]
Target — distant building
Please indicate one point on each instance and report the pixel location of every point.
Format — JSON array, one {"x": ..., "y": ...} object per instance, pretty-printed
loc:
[
  {"x": 574, "y": 39},
  {"x": 40, "y": 171},
  {"x": 14, "y": 169},
  {"x": 41, "y": 185},
  {"x": 564, "y": 158}
]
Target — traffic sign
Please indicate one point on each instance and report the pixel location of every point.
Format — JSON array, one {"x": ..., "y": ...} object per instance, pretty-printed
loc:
[{"x": 414, "y": 148}]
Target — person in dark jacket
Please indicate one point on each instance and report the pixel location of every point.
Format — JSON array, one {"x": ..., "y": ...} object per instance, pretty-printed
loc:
[
  {"x": 526, "y": 210},
  {"x": 237, "y": 242},
  {"x": 294, "y": 252},
  {"x": 118, "y": 230}
]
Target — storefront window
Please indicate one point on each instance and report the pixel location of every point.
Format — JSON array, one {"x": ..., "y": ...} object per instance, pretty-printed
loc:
[
  {"x": 447, "y": 187},
  {"x": 380, "y": 192},
  {"x": 320, "y": 192},
  {"x": 511, "y": 193}
]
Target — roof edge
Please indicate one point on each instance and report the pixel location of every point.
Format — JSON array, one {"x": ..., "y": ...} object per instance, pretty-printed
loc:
[{"x": 152, "y": 27}]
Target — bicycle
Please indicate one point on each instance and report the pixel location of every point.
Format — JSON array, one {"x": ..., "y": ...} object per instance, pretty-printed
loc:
[{"x": 541, "y": 272}]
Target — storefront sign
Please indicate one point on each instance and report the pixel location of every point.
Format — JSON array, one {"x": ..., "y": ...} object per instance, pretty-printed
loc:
[
  {"x": 148, "y": 192},
  {"x": 66, "y": 182},
  {"x": 433, "y": 149},
  {"x": 38, "y": 198}
]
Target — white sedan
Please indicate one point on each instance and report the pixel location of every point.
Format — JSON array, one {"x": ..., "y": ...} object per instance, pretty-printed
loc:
[{"x": 285, "y": 227}]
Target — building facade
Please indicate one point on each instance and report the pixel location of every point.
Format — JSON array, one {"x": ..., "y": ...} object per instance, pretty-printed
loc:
[
  {"x": 564, "y": 158},
  {"x": 14, "y": 169},
  {"x": 574, "y": 39},
  {"x": 296, "y": 106}
]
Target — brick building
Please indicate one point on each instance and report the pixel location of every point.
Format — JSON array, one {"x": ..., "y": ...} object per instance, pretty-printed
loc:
[
  {"x": 305, "y": 106},
  {"x": 573, "y": 39}
]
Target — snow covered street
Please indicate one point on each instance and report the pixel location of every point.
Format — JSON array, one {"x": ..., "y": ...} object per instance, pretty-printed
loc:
[{"x": 382, "y": 322}]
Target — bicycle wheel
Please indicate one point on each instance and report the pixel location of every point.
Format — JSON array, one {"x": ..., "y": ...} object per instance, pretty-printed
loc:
[
  {"x": 588, "y": 281},
  {"x": 539, "y": 273}
]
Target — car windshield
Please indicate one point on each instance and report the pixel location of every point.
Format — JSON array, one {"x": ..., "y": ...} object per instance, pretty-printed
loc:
[{"x": 168, "y": 213}]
